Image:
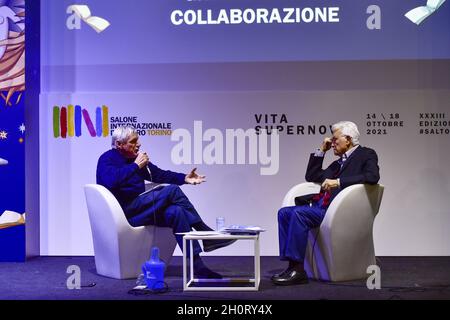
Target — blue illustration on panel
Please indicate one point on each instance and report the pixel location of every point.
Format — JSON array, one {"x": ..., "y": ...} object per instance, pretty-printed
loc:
[{"x": 12, "y": 130}]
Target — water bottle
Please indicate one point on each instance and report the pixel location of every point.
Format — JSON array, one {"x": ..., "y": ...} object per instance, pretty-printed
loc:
[
  {"x": 220, "y": 223},
  {"x": 153, "y": 271}
]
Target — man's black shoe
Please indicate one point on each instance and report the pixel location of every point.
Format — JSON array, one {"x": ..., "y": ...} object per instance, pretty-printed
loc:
[
  {"x": 210, "y": 245},
  {"x": 205, "y": 273},
  {"x": 281, "y": 274},
  {"x": 291, "y": 278}
]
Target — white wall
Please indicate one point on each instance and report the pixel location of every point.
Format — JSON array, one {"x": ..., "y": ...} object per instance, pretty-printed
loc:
[{"x": 414, "y": 211}]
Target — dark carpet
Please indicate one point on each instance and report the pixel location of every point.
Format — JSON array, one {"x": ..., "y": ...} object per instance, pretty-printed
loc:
[{"x": 402, "y": 278}]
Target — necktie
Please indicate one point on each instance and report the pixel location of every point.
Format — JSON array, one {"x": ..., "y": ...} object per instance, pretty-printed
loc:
[{"x": 341, "y": 160}]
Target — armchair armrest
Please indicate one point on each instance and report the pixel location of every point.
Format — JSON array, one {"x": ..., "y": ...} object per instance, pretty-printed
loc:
[{"x": 300, "y": 190}]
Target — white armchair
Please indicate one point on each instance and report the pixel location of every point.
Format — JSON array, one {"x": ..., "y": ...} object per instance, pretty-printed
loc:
[
  {"x": 342, "y": 248},
  {"x": 120, "y": 249}
]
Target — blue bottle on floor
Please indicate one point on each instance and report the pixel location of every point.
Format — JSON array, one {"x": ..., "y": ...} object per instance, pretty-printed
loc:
[{"x": 153, "y": 271}]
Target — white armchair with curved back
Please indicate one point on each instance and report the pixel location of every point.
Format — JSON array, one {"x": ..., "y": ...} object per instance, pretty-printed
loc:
[
  {"x": 120, "y": 249},
  {"x": 342, "y": 247}
]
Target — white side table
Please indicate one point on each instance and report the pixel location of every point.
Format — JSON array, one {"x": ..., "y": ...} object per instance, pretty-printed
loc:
[{"x": 189, "y": 285}]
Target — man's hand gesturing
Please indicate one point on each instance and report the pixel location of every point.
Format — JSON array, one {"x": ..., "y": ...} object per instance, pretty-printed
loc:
[{"x": 194, "y": 178}]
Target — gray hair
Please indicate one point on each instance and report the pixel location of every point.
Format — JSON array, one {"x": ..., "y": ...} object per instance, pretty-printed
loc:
[
  {"x": 349, "y": 129},
  {"x": 121, "y": 134}
]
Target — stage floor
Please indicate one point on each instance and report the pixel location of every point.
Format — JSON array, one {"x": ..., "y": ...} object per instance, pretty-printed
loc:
[{"x": 402, "y": 278}]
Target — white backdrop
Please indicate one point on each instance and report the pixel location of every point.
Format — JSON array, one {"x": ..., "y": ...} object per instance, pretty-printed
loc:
[{"x": 414, "y": 213}]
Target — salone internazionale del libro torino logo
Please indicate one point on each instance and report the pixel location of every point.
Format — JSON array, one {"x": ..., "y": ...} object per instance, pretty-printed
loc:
[{"x": 68, "y": 121}]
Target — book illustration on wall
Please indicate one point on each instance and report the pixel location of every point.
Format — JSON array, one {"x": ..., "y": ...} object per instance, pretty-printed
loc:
[
  {"x": 12, "y": 237},
  {"x": 84, "y": 13},
  {"x": 419, "y": 14},
  {"x": 12, "y": 130},
  {"x": 12, "y": 49},
  {"x": 11, "y": 219}
]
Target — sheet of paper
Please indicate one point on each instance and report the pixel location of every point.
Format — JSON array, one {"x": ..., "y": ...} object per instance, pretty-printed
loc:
[
  {"x": 153, "y": 186},
  {"x": 202, "y": 233},
  {"x": 243, "y": 229}
]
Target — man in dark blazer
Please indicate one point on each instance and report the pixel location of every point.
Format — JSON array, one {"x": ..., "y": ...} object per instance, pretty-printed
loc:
[
  {"x": 356, "y": 164},
  {"x": 123, "y": 171}
]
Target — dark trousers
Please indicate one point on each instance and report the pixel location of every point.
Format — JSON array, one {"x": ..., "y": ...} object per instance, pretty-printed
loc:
[
  {"x": 294, "y": 224},
  {"x": 165, "y": 207}
]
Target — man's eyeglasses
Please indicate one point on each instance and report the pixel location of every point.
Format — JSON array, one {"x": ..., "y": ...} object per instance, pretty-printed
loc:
[{"x": 334, "y": 139}]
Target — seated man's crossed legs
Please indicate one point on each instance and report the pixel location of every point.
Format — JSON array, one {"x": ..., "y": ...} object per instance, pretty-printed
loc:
[
  {"x": 294, "y": 224},
  {"x": 169, "y": 207}
]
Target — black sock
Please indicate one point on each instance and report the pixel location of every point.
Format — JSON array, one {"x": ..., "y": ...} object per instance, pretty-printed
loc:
[
  {"x": 298, "y": 266},
  {"x": 201, "y": 226}
]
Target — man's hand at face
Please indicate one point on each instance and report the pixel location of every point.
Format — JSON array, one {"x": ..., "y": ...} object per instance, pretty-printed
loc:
[
  {"x": 142, "y": 160},
  {"x": 194, "y": 178},
  {"x": 326, "y": 144},
  {"x": 330, "y": 184}
]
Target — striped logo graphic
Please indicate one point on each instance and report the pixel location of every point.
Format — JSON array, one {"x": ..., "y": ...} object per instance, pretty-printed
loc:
[{"x": 67, "y": 122}]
